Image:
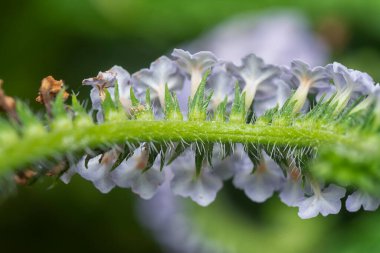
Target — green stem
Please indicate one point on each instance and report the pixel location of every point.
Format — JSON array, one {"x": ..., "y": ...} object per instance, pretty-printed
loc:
[{"x": 73, "y": 138}]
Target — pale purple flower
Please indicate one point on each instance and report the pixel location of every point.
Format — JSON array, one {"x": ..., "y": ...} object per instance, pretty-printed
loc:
[
  {"x": 200, "y": 188},
  {"x": 292, "y": 191},
  {"x": 307, "y": 80},
  {"x": 222, "y": 85},
  {"x": 348, "y": 84},
  {"x": 256, "y": 77},
  {"x": 194, "y": 65},
  {"x": 359, "y": 199},
  {"x": 258, "y": 33},
  {"x": 269, "y": 97},
  {"x": 162, "y": 72},
  {"x": 343, "y": 77},
  {"x": 131, "y": 174},
  {"x": 97, "y": 171},
  {"x": 107, "y": 80},
  {"x": 258, "y": 182},
  {"x": 222, "y": 166},
  {"x": 325, "y": 202}
]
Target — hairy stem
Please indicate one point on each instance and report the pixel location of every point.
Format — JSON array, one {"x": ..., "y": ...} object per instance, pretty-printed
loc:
[{"x": 74, "y": 138}]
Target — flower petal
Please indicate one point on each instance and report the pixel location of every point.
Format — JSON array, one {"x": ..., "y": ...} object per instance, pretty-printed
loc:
[
  {"x": 131, "y": 174},
  {"x": 96, "y": 172},
  {"x": 358, "y": 199},
  {"x": 254, "y": 74},
  {"x": 263, "y": 182},
  {"x": 324, "y": 202},
  {"x": 201, "y": 188},
  {"x": 162, "y": 72}
]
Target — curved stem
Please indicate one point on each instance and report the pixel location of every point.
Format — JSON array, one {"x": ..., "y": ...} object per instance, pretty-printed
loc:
[{"x": 73, "y": 138}]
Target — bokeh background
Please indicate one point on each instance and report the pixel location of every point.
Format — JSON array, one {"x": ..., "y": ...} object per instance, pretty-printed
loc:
[{"x": 72, "y": 40}]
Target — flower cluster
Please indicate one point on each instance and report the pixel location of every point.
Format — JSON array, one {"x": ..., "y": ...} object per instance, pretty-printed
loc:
[{"x": 199, "y": 170}]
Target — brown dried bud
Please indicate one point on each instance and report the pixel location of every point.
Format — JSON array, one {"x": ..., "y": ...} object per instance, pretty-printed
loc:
[
  {"x": 23, "y": 177},
  {"x": 49, "y": 89},
  {"x": 57, "y": 169},
  {"x": 7, "y": 104}
]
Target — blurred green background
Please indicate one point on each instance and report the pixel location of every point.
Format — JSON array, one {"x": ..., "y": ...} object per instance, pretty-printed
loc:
[{"x": 72, "y": 40}]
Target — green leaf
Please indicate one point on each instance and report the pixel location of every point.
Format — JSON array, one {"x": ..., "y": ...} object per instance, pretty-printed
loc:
[
  {"x": 77, "y": 107},
  {"x": 155, "y": 149},
  {"x": 203, "y": 153},
  {"x": 25, "y": 115},
  {"x": 108, "y": 105},
  {"x": 148, "y": 100},
  {"x": 134, "y": 100},
  {"x": 180, "y": 148},
  {"x": 198, "y": 104},
  {"x": 238, "y": 112},
  {"x": 123, "y": 156},
  {"x": 220, "y": 112},
  {"x": 172, "y": 109},
  {"x": 254, "y": 153},
  {"x": 58, "y": 107}
]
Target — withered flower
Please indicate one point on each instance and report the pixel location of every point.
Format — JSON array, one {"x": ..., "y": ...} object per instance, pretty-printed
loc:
[
  {"x": 57, "y": 169},
  {"x": 48, "y": 91},
  {"x": 24, "y": 177},
  {"x": 7, "y": 104}
]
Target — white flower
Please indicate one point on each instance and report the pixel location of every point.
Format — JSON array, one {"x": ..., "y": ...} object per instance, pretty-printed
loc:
[
  {"x": 131, "y": 174},
  {"x": 222, "y": 85},
  {"x": 307, "y": 80},
  {"x": 325, "y": 202},
  {"x": 194, "y": 65},
  {"x": 107, "y": 80},
  {"x": 359, "y": 199},
  {"x": 292, "y": 191},
  {"x": 256, "y": 77},
  {"x": 162, "y": 72},
  {"x": 275, "y": 96},
  {"x": 348, "y": 84},
  {"x": 261, "y": 182},
  {"x": 222, "y": 166},
  {"x": 97, "y": 171},
  {"x": 200, "y": 188},
  {"x": 343, "y": 77}
]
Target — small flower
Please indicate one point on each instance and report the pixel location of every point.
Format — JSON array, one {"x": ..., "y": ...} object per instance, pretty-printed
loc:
[
  {"x": 162, "y": 72},
  {"x": 307, "y": 80},
  {"x": 261, "y": 181},
  {"x": 222, "y": 166},
  {"x": 325, "y": 202},
  {"x": 272, "y": 98},
  {"x": 131, "y": 174},
  {"x": 359, "y": 199},
  {"x": 256, "y": 77},
  {"x": 292, "y": 192},
  {"x": 222, "y": 85},
  {"x": 97, "y": 171},
  {"x": 200, "y": 188},
  {"x": 342, "y": 76},
  {"x": 107, "y": 80},
  {"x": 348, "y": 84},
  {"x": 194, "y": 65}
]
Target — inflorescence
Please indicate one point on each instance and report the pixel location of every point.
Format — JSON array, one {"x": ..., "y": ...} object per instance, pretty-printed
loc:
[{"x": 297, "y": 131}]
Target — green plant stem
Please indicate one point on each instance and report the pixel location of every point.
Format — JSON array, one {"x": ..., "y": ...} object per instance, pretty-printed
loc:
[{"x": 73, "y": 138}]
